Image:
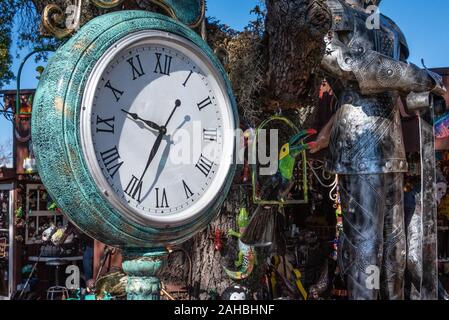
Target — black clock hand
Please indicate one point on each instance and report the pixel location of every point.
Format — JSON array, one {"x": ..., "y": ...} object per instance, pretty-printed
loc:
[
  {"x": 177, "y": 104},
  {"x": 162, "y": 132},
  {"x": 153, "y": 151},
  {"x": 151, "y": 124}
]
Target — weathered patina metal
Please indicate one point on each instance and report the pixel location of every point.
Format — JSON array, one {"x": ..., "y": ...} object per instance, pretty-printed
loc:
[
  {"x": 142, "y": 268},
  {"x": 189, "y": 12},
  {"x": 369, "y": 72},
  {"x": 57, "y": 144}
]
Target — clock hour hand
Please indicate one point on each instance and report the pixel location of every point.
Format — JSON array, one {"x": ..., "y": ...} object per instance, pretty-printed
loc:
[{"x": 151, "y": 124}]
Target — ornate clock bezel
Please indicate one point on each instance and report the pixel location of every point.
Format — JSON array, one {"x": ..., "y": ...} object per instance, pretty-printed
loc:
[{"x": 163, "y": 38}]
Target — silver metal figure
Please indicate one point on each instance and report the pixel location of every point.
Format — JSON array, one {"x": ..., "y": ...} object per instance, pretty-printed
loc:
[{"x": 368, "y": 71}]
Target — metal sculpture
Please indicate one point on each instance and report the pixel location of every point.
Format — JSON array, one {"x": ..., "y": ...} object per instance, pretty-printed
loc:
[
  {"x": 368, "y": 70},
  {"x": 246, "y": 255}
]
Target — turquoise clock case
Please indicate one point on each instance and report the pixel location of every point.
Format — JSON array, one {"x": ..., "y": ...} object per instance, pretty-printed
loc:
[{"x": 56, "y": 133}]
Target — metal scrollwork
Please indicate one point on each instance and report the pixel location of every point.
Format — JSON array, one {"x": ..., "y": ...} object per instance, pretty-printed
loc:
[
  {"x": 53, "y": 20},
  {"x": 107, "y": 4}
]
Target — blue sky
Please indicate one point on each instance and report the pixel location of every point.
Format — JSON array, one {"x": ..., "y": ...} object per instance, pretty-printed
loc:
[{"x": 425, "y": 24}]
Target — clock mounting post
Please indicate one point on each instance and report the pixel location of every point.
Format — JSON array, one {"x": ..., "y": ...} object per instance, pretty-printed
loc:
[{"x": 143, "y": 267}]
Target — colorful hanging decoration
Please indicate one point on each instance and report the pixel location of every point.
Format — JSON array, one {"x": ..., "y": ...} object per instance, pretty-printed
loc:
[
  {"x": 339, "y": 225},
  {"x": 299, "y": 285},
  {"x": 246, "y": 255},
  {"x": 217, "y": 236},
  {"x": 275, "y": 191}
]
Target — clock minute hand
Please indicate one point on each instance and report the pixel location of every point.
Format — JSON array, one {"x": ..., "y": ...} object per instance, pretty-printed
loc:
[
  {"x": 151, "y": 124},
  {"x": 177, "y": 105},
  {"x": 153, "y": 151}
]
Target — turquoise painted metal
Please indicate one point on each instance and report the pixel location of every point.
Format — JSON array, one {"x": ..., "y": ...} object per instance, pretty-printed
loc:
[
  {"x": 189, "y": 12},
  {"x": 143, "y": 268},
  {"x": 59, "y": 156}
]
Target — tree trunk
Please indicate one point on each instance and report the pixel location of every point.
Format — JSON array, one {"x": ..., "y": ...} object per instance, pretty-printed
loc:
[
  {"x": 295, "y": 30},
  {"x": 201, "y": 257},
  {"x": 207, "y": 262}
]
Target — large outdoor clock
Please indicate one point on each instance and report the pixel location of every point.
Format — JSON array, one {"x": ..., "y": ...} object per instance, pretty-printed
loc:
[{"x": 133, "y": 130}]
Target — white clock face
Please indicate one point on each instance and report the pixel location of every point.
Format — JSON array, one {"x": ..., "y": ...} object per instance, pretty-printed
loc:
[{"x": 157, "y": 129}]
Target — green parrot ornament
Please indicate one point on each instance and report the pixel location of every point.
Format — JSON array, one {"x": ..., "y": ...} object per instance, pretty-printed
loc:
[
  {"x": 280, "y": 184},
  {"x": 264, "y": 225},
  {"x": 290, "y": 151}
]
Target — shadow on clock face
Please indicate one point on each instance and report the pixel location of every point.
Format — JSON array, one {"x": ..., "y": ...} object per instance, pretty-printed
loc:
[
  {"x": 157, "y": 128},
  {"x": 164, "y": 157}
]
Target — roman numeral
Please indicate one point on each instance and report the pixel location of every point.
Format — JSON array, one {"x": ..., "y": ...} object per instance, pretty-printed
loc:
[
  {"x": 210, "y": 134},
  {"x": 187, "y": 190},
  {"x": 117, "y": 93},
  {"x": 109, "y": 158},
  {"x": 167, "y": 64},
  {"x": 188, "y": 77},
  {"x": 107, "y": 125},
  {"x": 134, "y": 188},
  {"x": 161, "y": 200},
  {"x": 204, "y": 165},
  {"x": 203, "y": 104},
  {"x": 137, "y": 70}
]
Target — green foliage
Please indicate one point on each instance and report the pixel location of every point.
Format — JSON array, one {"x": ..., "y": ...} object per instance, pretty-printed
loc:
[
  {"x": 257, "y": 26},
  {"x": 21, "y": 18},
  {"x": 6, "y": 21},
  {"x": 218, "y": 33}
]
